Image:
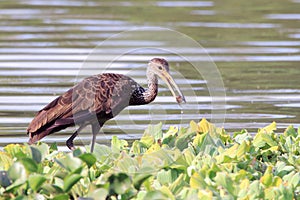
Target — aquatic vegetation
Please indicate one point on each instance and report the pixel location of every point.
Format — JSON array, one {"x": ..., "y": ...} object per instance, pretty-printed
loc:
[{"x": 197, "y": 162}]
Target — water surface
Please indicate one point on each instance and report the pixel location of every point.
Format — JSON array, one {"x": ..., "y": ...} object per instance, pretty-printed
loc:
[{"x": 254, "y": 44}]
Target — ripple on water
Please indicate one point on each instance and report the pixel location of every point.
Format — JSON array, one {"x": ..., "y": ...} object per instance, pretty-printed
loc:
[
  {"x": 270, "y": 43},
  {"x": 143, "y": 58},
  {"x": 90, "y": 22},
  {"x": 229, "y": 25},
  {"x": 13, "y": 107},
  {"x": 21, "y": 11},
  {"x": 288, "y": 105},
  {"x": 185, "y": 3},
  {"x": 150, "y": 51},
  {"x": 203, "y": 12},
  {"x": 296, "y": 35},
  {"x": 283, "y": 16},
  {"x": 68, "y": 3}
]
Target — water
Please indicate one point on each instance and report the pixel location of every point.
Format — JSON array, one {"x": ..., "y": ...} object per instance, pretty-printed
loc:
[{"x": 46, "y": 47}]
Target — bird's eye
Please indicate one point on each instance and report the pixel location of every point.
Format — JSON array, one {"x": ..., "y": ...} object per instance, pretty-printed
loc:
[{"x": 160, "y": 67}]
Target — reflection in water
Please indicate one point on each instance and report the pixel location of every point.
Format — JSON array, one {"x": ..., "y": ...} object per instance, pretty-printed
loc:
[{"x": 44, "y": 45}]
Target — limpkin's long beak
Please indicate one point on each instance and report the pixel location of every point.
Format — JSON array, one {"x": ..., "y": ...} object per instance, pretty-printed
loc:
[{"x": 176, "y": 92}]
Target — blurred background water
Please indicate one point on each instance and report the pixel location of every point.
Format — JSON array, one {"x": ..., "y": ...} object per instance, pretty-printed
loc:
[{"x": 254, "y": 44}]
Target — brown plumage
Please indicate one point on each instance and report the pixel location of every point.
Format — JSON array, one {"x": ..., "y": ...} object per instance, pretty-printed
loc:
[{"x": 97, "y": 99}]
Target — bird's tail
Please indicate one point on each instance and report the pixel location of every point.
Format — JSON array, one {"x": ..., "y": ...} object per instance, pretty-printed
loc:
[
  {"x": 34, "y": 137},
  {"x": 44, "y": 131}
]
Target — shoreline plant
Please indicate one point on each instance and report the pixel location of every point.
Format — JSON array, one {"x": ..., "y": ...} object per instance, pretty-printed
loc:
[{"x": 196, "y": 162}]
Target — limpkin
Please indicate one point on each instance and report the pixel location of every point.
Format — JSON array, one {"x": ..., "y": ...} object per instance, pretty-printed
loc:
[{"x": 97, "y": 99}]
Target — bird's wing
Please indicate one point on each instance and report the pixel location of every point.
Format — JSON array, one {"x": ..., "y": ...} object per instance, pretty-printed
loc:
[
  {"x": 77, "y": 99},
  {"x": 107, "y": 93},
  {"x": 55, "y": 109}
]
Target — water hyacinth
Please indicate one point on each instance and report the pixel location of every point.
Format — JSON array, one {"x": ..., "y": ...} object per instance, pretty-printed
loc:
[{"x": 197, "y": 162}]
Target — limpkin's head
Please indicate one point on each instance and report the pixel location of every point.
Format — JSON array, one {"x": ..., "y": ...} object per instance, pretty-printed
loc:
[{"x": 160, "y": 67}]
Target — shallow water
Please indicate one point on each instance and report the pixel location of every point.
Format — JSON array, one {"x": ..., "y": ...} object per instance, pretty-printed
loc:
[{"x": 46, "y": 47}]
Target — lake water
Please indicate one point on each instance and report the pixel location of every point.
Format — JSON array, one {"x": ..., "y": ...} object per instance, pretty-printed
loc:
[{"x": 235, "y": 58}]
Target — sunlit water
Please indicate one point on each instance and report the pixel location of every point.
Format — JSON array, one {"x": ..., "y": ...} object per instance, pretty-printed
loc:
[{"x": 44, "y": 45}]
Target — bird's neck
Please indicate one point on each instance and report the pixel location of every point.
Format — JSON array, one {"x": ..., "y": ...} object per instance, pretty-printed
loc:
[{"x": 150, "y": 94}]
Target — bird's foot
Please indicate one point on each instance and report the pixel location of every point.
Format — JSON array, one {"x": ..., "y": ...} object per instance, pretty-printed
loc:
[{"x": 70, "y": 145}]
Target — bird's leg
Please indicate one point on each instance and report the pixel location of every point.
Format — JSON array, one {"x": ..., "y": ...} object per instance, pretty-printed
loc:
[
  {"x": 95, "y": 129},
  {"x": 69, "y": 142}
]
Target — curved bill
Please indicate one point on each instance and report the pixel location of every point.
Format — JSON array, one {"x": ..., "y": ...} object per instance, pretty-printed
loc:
[{"x": 176, "y": 92}]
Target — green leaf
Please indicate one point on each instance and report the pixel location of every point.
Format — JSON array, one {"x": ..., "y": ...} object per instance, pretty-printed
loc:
[
  {"x": 224, "y": 180},
  {"x": 167, "y": 192},
  {"x": 69, "y": 162},
  {"x": 119, "y": 183},
  {"x": 189, "y": 155},
  {"x": 5, "y": 161},
  {"x": 193, "y": 126},
  {"x": 206, "y": 127},
  {"x": 268, "y": 129},
  {"x": 70, "y": 181},
  {"x": 36, "y": 154},
  {"x": 126, "y": 164},
  {"x": 17, "y": 171},
  {"x": 88, "y": 158},
  {"x": 183, "y": 140},
  {"x": 243, "y": 149},
  {"x": 43, "y": 149},
  {"x": 139, "y": 179},
  {"x": 207, "y": 145},
  {"x": 16, "y": 150},
  {"x": 155, "y": 131},
  {"x": 77, "y": 152},
  {"x": 198, "y": 140},
  {"x": 256, "y": 190},
  {"x": 61, "y": 197},
  {"x": 147, "y": 140},
  {"x": 53, "y": 147},
  {"x": 293, "y": 179},
  {"x": 197, "y": 181},
  {"x": 117, "y": 143},
  {"x": 165, "y": 177},
  {"x": 243, "y": 136},
  {"x": 141, "y": 195},
  {"x": 282, "y": 168},
  {"x": 261, "y": 139},
  {"x": 102, "y": 152},
  {"x": 267, "y": 180},
  {"x": 99, "y": 194},
  {"x": 156, "y": 195},
  {"x": 52, "y": 189},
  {"x": 36, "y": 181},
  {"x": 29, "y": 164},
  {"x": 177, "y": 185},
  {"x": 171, "y": 132},
  {"x": 290, "y": 131},
  {"x": 170, "y": 136},
  {"x": 158, "y": 159}
]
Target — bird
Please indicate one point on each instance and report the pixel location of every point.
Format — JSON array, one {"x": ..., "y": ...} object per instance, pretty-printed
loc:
[{"x": 99, "y": 98}]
